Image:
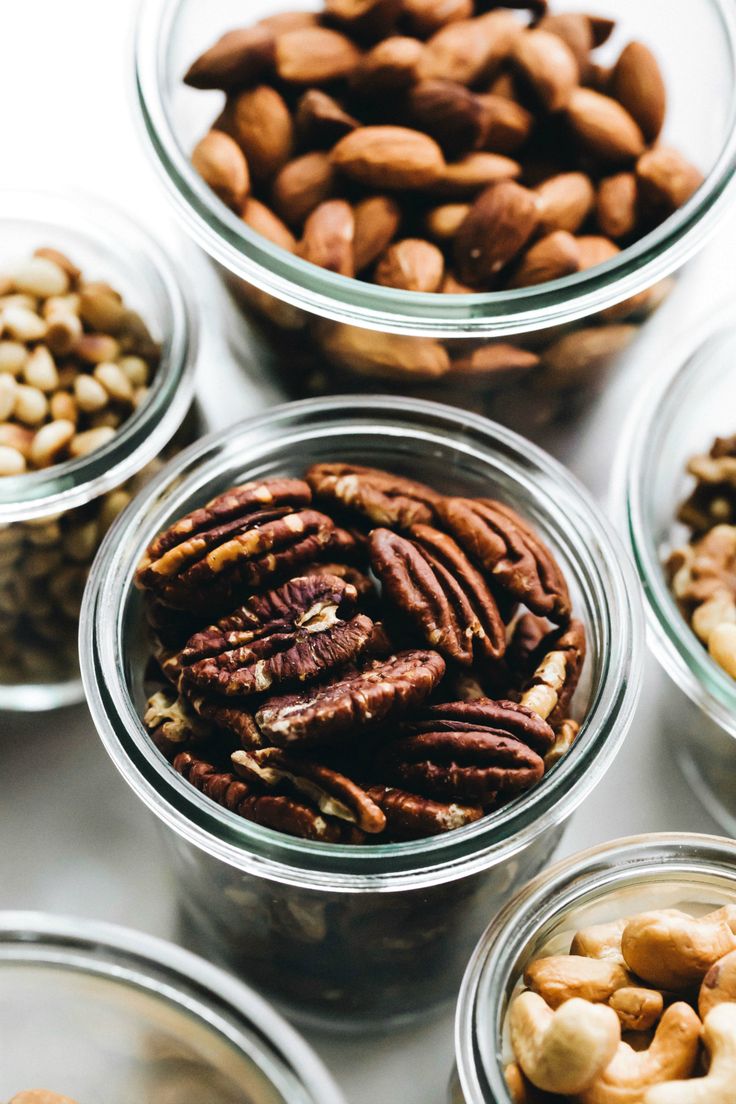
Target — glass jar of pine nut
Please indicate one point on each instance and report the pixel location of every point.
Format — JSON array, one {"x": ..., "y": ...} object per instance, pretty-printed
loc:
[{"x": 76, "y": 444}]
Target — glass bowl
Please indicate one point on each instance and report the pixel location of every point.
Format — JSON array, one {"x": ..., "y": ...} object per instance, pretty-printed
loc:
[
  {"x": 315, "y": 326},
  {"x": 691, "y": 872},
  {"x": 51, "y": 521},
  {"x": 102, "y": 1013},
  {"x": 684, "y": 410},
  {"x": 343, "y": 935}
]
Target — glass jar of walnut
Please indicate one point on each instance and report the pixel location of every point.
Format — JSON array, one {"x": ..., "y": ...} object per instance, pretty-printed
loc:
[
  {"x": 341, "y": 934},
  {"x": 53, "y": 518},
  {"x": 527, "y": 341}
]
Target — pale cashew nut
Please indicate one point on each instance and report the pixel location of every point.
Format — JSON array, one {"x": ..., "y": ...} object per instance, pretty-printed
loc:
[
  {"x": 600, "y": 940},
  {"x": 564, "y": 1051},
  {"x": 719, "y": 1085},
  {"x": 719, "y": 984},
  {"x": 676, "y": 952},
  {"x": 637, "y": 1008},
  {"x": 522, "y": 1091},
  {"x": 672, "y": 1054},
  {"x": 559, "y": 978}
]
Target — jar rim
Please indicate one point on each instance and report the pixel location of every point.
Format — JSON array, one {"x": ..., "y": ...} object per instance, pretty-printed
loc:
[
  {"x": 600, "y": 869},
  {"x": 223, "y": 1003},
  {"x": 360, "y": 869},
  {"x": 142, "y": 436},
  {"x": 277, "y": 272}
]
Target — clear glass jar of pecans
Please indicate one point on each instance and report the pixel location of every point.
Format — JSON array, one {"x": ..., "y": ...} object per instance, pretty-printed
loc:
[
  {"x": 92, "y": 1011},
  {"x": 288, "y": 870},
  {"x": 609, "y": 977},
  {"x": 97, "y": 349},
  {"x": 456, "y": 201}
]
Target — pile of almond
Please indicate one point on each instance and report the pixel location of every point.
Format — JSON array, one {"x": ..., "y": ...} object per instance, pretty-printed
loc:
[{"x": 437, "y": 145}]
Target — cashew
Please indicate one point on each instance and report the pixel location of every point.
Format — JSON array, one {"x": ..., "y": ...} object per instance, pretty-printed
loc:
[
  {"x": 561, "y": 977},
  {"x": 638, "y": 1009},
  {"x": 522, "y": 1091},
  {"x": 563, "y": 1051},
  {"x": 676, "y": 952},
  {"x": 600, "y": 941},
  {"x": 719, "y": 1085},
  {"x": 672, "y": 1054},
  {"x": 719, "y": 984}
]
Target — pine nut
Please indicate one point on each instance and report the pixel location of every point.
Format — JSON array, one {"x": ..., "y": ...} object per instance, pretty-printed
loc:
[
  {"x": 40, "y": 370},
  {"x": 51, "y": 440},
  {"x": 115, "y": 382},
  {"x": 41, "y": 277},
  {"x": 12, "y": 462},
  {"x": 90, "y": 394},
  {"x": 31, "y": 405}
]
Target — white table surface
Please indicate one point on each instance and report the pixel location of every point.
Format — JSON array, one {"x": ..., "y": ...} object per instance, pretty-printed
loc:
[{"x": 75, "y": 839}]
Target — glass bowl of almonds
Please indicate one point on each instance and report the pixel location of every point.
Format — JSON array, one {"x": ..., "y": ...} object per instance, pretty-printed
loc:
[
  {"x": 610, "y": 977},
  {"x": 362, "y": 660},
  {"x": 92, "y": 1011},
  {"x": 445, "y": 198},
  {"x": 676, "y": 493},
  {"x": 97, "y": 350}
]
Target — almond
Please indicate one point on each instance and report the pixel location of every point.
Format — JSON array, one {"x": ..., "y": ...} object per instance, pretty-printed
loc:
[
  {"x": 576, "y": 32},
  {"x": 365, "y": 19},
  {"x": 565, "y": 201},
  {"x": 601, "y": 28},
  {"x": 603, "y": 127},
  {"x": 551, "y": 258},
  {"x": 470, "y": 51},
  {"x": 389, "y": 157},
  {"x": 584, "y": 354},
  {"x": 260, "y": 122},
  {"x": 491, "y": 365},
  {"x": 389, "y": 67},
  {"x": 504, "y": 85},
  {"x": 448, "y": 112},
  {"x": 666, "y": 180},
  {"x": 444, "y": 222},
  {"x": 452, "y": 286},
  {"x": 616, "y": 205},
  {"x": 315, "y": 55},
  {"x": 382, "y": 355},
  {"x": 637, "y": 83},
  {"x": 220, "y": 162},
  {"x": 594, "y": 249},
  {"x": 377, "y": 221},
  {"x": 411, "y": 265},
  {"x": 505, "y": 123},
  {"x": 497, "y": 228},
  {"x": 301, "y": 185},
  {"x": 263, "y": 220},
  {"x": 424, "y": 17},
  {"x": 328, "y": 237},
  {"x": 240, "y": 57},
  {"x": 320, "y": 120},
  {"x": 547, "y": 66},
  {"x": 473, "y": 172},
  {"x": 289, "y": 21}
]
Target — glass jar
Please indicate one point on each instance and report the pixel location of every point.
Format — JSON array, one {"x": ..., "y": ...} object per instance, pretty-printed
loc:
[
  {"x": 52, "y": 520},
  {"x": 684, "y": 410},
  {"x": 690, "y": 872},
  {"x": 318, "y": 332},
  {"x": 102, "y": 1013},
  {"x": 341, "y": 935}
]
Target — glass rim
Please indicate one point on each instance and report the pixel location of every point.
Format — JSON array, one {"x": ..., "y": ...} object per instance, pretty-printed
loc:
[
  {"x": 599, "y": 870},
  {"x": 275, "y": 271},
  {"x": 360, "y": 869},
  {"x": 142, "y": 436},
  {"x": 168, "y": 971},
  {"x": 674, "y": 643}
]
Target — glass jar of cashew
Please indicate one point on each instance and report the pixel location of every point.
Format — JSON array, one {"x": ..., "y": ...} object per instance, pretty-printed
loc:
[
  {"x": 53, "y": 515},
  {"x": 649, "y": 917}
]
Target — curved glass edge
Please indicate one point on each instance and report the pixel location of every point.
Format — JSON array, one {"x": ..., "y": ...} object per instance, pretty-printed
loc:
[
  {"x": 223, "y": 236},
  {"x": 142, "y": 437},
  {"x": 444, "y": 858},
  {"x": 209, "y": 993},
  {"x": 600, "y": 869}
]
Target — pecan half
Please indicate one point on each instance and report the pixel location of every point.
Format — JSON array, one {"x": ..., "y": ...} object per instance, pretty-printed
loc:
[
  {"x": 557, "y": 674},
  {"x": 713, "y": 502},
  {"x": 502, "y": 544},
  {"x": 363, "y": 584},
  {"x": 431, "y": 581},
  {"x": 384, "y": 690},
  {"x": 332, "y": 793},
  {"x": 409, "y": 816},
  {"x": 172, "y": 725},
  {"x": 379, "y": 496},
  {"x": 301, "y": 631},
  {"x": 237, "y": 721}
]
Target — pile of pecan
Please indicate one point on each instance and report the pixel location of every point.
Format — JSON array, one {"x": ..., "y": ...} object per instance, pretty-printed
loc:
[
  {"x": 437, "y": 145},
  {"x": 356, "y": 658},
  {"x": 702, "y": 573}
]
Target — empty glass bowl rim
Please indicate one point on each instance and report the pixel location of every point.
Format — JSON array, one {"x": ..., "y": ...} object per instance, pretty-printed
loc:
[
  {"x": 276, "y": 271},
  {"x": 142, "y": 436},
  {"x": 169, "y": 972},
  {"x": 355, "y": 869},
  {"x": 596, "y": 871}
]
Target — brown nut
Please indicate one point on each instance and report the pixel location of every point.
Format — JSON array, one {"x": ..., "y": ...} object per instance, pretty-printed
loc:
[
  {"x": 603, "y": 127},
  {"x": 424, "y": 17},
  {"x": 411, "y": 265},
  {"x": 547, "y": 65},
  {"x": 505, "y": 124},
  {"x": 302, "y": 185},
  {"x": 449, "y": 113},
  {"x": 474, "y": 172},
  {"x": 320, "y": 120},
  {"x": 497, "y": 228},
  {"x": 551, "y": 688},
  {"x": 551, "y": 258},
  {"x": 263, "y": 220},
  {"x": 470, "y": 51},
  {"x": 369, "y": 19},
  {"x": 260, "y": 122},
  {"x": 327, "y": 240},
  {"x": 559, "y": 978},
  {"x": 564, "y": 201},
  {"x": 314, "y": 55},
  {"x": 638, "y": 1009},
  {"x": 382, "y": 355},
  {"x": 409, "y": 816},
  {"x": 666, "y": 180},
  {"x": 220, "y": 162},
  {"x": 616, "y": 205},
  {"x": 377, "y": 221},
  {"x": 381, "y": 497},
  {"x": 240, "y": 57},
  {"x": 389, "y": 157},
  {"x": 637, "y": 83},
  {"x": 389, "y": 68}
]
